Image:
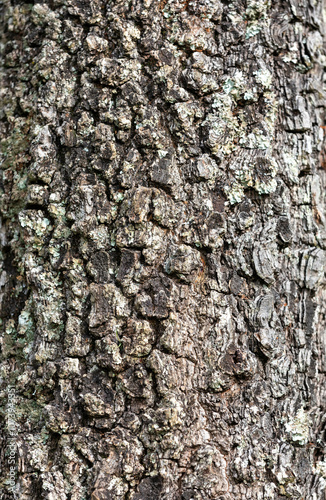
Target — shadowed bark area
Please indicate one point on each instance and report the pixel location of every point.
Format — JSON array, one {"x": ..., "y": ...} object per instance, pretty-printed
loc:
[{"x": 163, "y": 249}]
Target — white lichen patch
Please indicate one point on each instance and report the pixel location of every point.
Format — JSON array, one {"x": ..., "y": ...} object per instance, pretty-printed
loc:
[
  {"x": 222, "y": 126},
  {"x": 47, "y": 298},
  {"x": 253, "y": 29},
  {"x": 298, "y": 427},
  {"x": 264, "y": 77},
  {"x": 248, "y": 96},
  {"x": 266, "y": 187},
  {"x": 256, "y": 16},
  {"x": 258, "y": 174},
  {"x": 36, "y": 227},
  {"x": 25, "y": 321},
  {"x": 227, "y": 132},
  {"x": 293, "y": 55},
  {"x": 320, "y": 470},
  {"x": 235, "y": 194},
  {"x": 129, "y": 35},
  {"x": 100, "y": 236},
  {"x": 257, "y": 139},
  {"x": 239, "y": 87},
  {"x": 257, "y": 9},
  {"x": 38, "y": 453},
  {"x": 26, "y": 328}
]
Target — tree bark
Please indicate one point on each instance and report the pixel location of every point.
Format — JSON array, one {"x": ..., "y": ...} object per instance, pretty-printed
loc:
[{"x": 163, "y": 250}]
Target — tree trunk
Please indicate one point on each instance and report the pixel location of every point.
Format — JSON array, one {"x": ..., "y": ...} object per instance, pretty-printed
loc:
[{"x": 163, "y": 250}]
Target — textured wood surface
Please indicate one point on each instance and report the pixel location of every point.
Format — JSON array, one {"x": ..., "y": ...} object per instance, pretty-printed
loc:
[{"x": 163, "y": 249}]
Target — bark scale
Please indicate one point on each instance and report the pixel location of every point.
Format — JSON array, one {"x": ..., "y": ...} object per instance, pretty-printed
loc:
[{"x": 163, "y": 250}]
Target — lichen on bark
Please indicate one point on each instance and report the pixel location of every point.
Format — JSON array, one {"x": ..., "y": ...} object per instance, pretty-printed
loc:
[{"x": 163, "y": 249}]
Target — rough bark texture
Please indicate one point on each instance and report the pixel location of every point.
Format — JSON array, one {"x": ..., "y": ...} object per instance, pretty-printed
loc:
[{"x": 163, "y": 249}]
